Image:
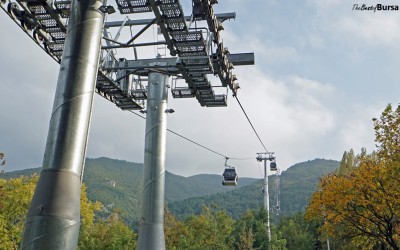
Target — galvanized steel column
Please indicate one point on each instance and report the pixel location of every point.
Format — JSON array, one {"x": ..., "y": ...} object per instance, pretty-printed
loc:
[
  {"x": 53, "y": 218},
  {"x": 266, "y": 198},
  {"x": 151, "y": 230}
]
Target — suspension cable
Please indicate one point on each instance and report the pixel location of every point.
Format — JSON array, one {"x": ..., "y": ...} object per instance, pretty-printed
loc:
[
  {"x": 202, "y": 146},
  {"x": 196, "y": 143},
  {"x": 251, "y": 124}
]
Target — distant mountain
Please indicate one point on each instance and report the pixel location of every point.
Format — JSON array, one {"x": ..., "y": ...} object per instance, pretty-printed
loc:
[
  {"x": 24, "y": 172},
  {"x": 199, "y": 185},
  {"x": 297, "y": 184},
  {"x": 300, "y": 181},
  {"x": 118, "y": 184}
]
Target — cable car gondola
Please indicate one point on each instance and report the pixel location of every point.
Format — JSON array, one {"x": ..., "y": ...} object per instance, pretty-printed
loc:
[
  {"x": 229, "y": 177},
  {"x": 273, "y": 166}
]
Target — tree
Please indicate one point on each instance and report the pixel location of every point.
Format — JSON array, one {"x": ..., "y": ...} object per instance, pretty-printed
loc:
[
  {"x": 347, "y": 164},
  {"x": 387, "y": 134},
  {"x": 251, "y": 230},
  {"x": 16, "y": 195},
  {"x": 174, "y": 230},
  {"x": 298, "y": 233},
  {"x": 363, "y": 208},
  {"x": 246, "y": 239},
  {"x": 363, "y": 205},
  {"x": 2, "y": 161},
  {"x": 88, "y": 209},
  {"x": 209, "y": 230},
  {"x": 278, "y": 241},
  {"x": 12, "y": 213},
  {"x": 111, "y": 233}
]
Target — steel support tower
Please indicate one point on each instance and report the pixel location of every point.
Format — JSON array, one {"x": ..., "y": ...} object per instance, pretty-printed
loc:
[
  {"x": 151, "y": 230},
  {"x": 266, "y": 157},
  {"x": 277, "y": 206},
  {"x": 53, "y": 218},
  {"x": 95, "y": 56}
]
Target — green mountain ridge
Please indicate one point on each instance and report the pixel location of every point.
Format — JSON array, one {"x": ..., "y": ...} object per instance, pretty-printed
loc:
[
  {"x": 297, "y": 184},
  {"x": 118, "y": 183}
]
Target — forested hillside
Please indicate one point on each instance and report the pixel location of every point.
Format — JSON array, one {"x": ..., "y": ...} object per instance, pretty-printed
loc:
[
  {"x": 117, "y": 185},
  {"x": 296, "y": 187},
  {"x": 300, "y": 181}
]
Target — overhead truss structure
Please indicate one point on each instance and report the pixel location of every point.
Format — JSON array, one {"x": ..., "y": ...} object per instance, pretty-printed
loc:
[{"x": 195, "y": 52}]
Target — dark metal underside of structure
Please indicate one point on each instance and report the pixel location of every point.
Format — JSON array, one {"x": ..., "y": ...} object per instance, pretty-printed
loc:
[{"x": 193, "y": 56}]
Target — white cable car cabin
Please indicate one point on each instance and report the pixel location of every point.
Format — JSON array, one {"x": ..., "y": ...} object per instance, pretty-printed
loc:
[{"x": 229, "y": 177}]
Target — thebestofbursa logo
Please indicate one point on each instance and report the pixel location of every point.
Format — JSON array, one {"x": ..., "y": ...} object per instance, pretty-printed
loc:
[{"x": 374, "y": 8}]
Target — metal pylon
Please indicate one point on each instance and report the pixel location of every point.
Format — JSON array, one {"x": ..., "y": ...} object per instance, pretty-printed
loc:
[
  {"x": 53, "y": 218},
  {"x": 151, "y": 229},
  {"x": 266, "y": 158}
]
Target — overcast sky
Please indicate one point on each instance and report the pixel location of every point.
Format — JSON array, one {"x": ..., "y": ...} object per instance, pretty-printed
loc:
[{"x": 322, "y": 72}]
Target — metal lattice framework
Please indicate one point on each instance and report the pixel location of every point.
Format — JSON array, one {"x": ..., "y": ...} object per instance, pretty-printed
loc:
[
  {"x": 276, "y": 207},
  {"x": 195, "y": 52}
]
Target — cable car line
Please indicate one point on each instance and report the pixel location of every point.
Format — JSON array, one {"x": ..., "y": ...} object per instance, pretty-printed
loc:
[
  {"x": 204, "y": 147},
  {"x": 213, "y": 151},
  {"x": 196, "y": 143},
  {"x": 251, "y": 124},
  {"x": 183, "y": 137},
  {"x": 241, "y": 159}
]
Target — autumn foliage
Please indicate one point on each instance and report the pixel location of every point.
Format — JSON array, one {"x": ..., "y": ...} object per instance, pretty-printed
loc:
[
  {"x": 362, "y": 208},
  {"x": 102, "y": 234}
]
